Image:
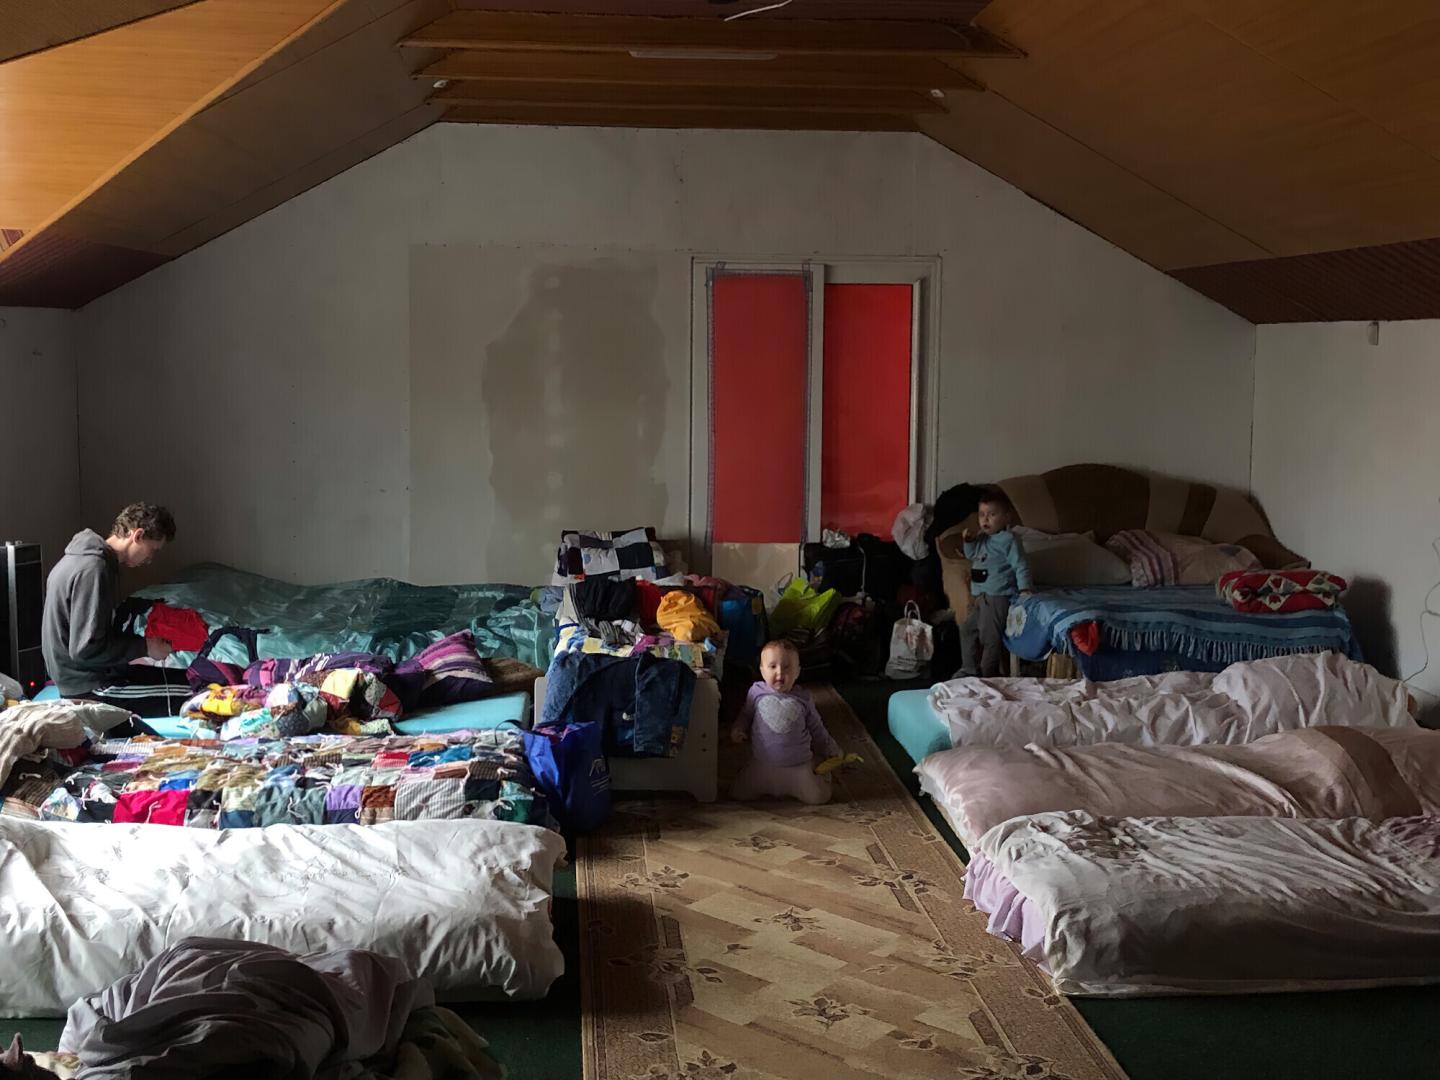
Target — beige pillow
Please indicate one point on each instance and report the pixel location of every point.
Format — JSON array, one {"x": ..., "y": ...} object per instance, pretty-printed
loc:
[
  {"x": 1199, "y": 562},
  {"x": 1070, "y": 559}
]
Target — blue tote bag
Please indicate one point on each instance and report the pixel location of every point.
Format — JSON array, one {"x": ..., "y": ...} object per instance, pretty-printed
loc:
[{"x": 569, "y": 767}]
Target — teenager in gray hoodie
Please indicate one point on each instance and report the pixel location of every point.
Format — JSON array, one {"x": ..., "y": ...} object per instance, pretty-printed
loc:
[{"x": 85, "y": 654}]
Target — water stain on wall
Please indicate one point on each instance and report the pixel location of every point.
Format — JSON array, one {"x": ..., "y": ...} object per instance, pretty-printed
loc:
[{"x": 574, "y": 392}]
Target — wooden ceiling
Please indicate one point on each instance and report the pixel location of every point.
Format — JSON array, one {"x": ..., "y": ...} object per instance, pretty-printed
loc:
[
  {"x": 1237, "y": 144},
  {"x": 1220, "y": 134},
  {"x": 73, "y": 114},
  {"x": 31, "y": 26},
  {"x": 289, "y": 93}
]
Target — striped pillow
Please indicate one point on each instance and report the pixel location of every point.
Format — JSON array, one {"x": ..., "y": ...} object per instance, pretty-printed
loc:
[
  {"x": 452, "y": 669},
  {"x": 1150, "y": 563}
]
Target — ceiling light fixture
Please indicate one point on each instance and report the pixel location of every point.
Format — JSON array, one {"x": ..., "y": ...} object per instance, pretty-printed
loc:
[{"x": 700, "y": 54}]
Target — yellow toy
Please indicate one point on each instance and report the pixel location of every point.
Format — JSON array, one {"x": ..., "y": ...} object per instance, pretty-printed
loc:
[{"x": 839, "y": 761}]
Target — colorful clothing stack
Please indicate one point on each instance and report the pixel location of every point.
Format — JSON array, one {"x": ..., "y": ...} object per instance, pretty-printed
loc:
[
  {"x": 311, "y": 780},
  {"x": 343, "y": 701},
  {"x": 701, "y": 657}
]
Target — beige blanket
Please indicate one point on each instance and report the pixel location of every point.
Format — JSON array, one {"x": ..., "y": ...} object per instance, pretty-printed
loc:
[
  {"x": 1321, "y": 772},
  {"x": 51, "y": 725}
]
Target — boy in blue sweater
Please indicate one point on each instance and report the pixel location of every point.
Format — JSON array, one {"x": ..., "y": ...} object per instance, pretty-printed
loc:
[{"x": 998, "y": 571}]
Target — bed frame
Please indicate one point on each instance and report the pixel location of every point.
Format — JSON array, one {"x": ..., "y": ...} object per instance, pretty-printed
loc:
[{"x": 692, "y": 770}]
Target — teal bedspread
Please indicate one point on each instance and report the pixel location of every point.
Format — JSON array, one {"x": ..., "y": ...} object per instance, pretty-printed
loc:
[{"x": 378, "y": 615}]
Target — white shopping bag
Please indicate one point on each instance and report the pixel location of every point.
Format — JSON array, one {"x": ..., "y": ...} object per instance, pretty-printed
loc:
[{"x": 911, "y": 645}]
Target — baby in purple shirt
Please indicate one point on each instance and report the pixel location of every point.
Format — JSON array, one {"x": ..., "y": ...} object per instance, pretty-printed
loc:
[{"x": 785, "y": 732}]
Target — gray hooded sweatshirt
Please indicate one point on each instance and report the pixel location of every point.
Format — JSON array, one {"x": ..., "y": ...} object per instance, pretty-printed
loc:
[{"x": 83, "y": 652}]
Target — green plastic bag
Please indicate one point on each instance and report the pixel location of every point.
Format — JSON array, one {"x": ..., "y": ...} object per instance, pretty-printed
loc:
[{"x": 802, "y": 608}]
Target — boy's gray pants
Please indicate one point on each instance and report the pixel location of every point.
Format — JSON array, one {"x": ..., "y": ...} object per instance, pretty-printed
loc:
[{"x": 982, "y": 637}]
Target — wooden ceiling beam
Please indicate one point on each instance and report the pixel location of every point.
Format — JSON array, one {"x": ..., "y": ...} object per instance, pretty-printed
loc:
[
  {"x": 791, "y": 37},
  {"x": 611, "y": 116},
  {"x": 619, "y": 69},
  {"x": 704, "y": 98}
]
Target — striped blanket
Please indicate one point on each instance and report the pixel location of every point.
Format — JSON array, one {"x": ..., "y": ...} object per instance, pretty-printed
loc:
[{"x": 1188, "y": 621}]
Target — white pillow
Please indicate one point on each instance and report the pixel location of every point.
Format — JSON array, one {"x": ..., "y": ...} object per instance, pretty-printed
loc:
[{"x": 1070, "y": 559}]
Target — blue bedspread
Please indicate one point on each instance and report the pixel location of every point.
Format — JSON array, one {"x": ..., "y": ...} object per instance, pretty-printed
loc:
[{"x": 1186, "y": 621}]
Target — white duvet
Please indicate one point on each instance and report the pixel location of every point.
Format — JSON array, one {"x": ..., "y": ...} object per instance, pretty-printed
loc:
[
  {"x": 1243, "y": 703},
  {"x": 1132, "y": 906},
  {"x": 465, "y": 904}
]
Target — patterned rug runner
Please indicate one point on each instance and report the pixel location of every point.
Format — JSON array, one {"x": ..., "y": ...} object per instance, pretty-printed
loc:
[{"x": 775, "y": 940}]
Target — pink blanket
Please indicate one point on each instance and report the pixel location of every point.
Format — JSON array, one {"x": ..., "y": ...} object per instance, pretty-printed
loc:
[{"x": 1321, "y": 772}]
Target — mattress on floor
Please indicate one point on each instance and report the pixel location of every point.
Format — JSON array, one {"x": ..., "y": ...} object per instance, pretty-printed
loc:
[
  {"x": 1322, "y": 772},
  {"x": 1245, "y": 702},
  {"x": 484, "y": 715},
  {"x": 1125, "y": 907},
  {"x": 465, "y": 904},
  {"x": 916, "y": 725}
]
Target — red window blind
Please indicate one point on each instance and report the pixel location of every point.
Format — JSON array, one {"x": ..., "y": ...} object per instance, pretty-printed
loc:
[
  {"x": 865, "y": 452},
  {"x": 759, "y": 358}
]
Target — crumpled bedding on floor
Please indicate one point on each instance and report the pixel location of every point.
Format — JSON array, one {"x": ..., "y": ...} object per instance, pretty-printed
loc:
[
  {"x": 209, "y": 1007},
  {"x": 30, "y": 726}
]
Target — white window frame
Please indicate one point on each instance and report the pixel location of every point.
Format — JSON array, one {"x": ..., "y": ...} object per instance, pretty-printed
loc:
[{"x": 921, "y": 273}]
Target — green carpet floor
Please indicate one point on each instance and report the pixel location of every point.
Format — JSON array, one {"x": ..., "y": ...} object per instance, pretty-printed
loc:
[{"x": 1361, "y": 1035}]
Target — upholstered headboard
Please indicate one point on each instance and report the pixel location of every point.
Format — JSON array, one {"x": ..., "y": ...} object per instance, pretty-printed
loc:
[{"x": 1107, "y": 498}]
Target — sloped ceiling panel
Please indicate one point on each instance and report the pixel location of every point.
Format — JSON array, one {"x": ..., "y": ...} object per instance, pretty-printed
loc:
[
  {"x": 324, "y": 101},
  {"x": 1391, "y": 281},
  {"x": 34, "y": 25}
]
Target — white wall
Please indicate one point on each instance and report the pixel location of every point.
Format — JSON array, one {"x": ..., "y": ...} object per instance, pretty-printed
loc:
[
  {"x": 40, "y": 483},
  {"x": 316, "y": 385},
  {"x": 1347, "y": 464}
]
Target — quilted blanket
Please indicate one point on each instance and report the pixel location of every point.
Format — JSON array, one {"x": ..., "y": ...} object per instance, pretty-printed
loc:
[
  {"x": 308, "y": 780},
  {"x": 1279, "y": 591}
]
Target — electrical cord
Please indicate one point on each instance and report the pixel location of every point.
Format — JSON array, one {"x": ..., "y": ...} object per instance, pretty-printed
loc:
[
  {"x": 1427, "y": 607},
  {"x": 758, "y": 10}
]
